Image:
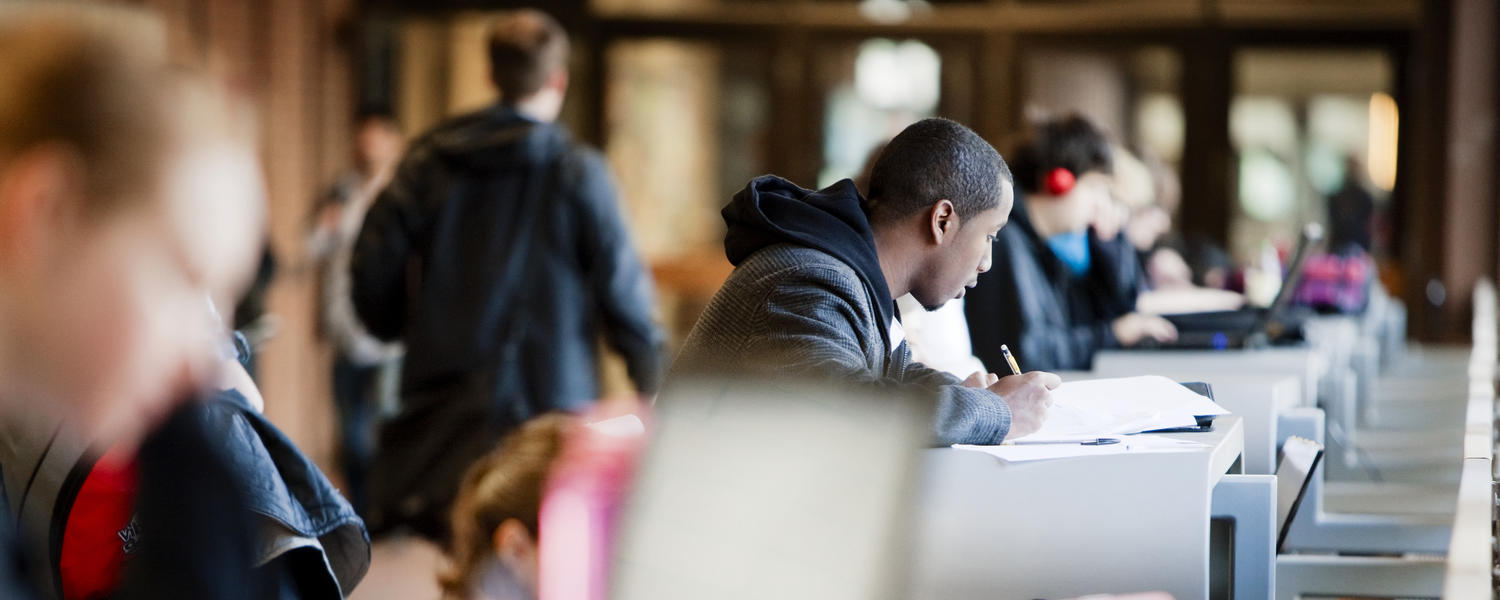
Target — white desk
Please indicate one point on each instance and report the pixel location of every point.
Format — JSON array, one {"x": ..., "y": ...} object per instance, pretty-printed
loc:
[
  {"x": 1471, "y": 553},
  {"x": 1055, "y": 529},
  {"x": 1260, "y": 400},
  {"x": 1303, "y": 362}
]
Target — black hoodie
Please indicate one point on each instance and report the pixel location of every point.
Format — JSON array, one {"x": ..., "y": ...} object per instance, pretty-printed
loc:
[
  {"x": 771, "y": 210},
  {"x": 807, "y": 298},
  {"x": 1051, "y": 319},
  {"x": 499, "y": 256}
]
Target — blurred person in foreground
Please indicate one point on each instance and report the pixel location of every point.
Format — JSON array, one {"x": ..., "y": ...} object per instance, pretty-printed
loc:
[
  {"x": 126, "y": 199},
  {"x": 1054, "y": 295},
  {"x": 532, "y": 518},
  {"x": 363, "y": 366},
  {"x": 817, "y": 274},
  {"x": 496, "y": 517},
  {"x": 536, "y": 516},
  {"x": 499, "y": 256}
]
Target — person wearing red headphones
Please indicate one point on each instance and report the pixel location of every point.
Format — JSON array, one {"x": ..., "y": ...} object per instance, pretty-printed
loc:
[{"x": 1054, "y": 294}]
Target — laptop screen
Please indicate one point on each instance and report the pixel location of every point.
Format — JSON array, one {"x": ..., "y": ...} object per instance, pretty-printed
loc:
[
  {"x": 1307, "y": 243},
  {"x": 1299, "y": 460}
]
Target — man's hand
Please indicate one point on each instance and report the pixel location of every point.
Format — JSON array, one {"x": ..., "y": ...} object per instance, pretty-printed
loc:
[
  {"x": 1029, "y": 396},
  {"x": 1134, "y": 327},
  {"x": 981, "y": 380}
]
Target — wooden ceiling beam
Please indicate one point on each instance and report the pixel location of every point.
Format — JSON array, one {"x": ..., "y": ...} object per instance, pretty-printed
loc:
[{"x": 1022, "y": 17}]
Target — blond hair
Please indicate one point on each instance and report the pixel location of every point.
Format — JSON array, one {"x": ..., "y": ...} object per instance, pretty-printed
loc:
[
  {"x": 508, "y": 483},
  {"x": 95, "y": 81}
]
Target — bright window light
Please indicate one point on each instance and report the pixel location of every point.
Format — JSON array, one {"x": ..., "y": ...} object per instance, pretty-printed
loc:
[{"x": 1384, "y": 121}]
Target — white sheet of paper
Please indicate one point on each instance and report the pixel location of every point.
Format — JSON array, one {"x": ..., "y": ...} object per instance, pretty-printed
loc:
[
  {"x": 1122, "y": 405},
  {"x": 1132, "y": 444}
]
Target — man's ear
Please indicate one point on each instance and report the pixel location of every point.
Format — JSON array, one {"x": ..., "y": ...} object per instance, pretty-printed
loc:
[
  {"x": 943, "y": 221},
  {"x": 558, "y": 80},
  {"x": 35, "y": 188}
]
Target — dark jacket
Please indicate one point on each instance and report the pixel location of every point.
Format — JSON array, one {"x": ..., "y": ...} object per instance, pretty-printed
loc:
[
  {"x": 12, "y": 580},
  {"x": 499, "y": 324},
  {"x": 198, "y": 535},
  {"x": 225, "y": 508},
  {"x": 1051, "y": 319},
  {"x": 291, "y": 496},
  {"x": 807, "y": 298}
]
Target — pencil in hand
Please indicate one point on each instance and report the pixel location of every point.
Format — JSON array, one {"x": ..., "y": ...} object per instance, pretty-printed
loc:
[{"x": 1015, "y": 369}]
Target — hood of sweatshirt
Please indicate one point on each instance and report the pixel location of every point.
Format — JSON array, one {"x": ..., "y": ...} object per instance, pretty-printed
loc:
[{"x": 771, "y": 210}]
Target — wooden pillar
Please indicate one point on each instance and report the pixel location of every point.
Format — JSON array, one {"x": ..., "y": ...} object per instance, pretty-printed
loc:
[
  {"x": 1422, "y": 159},
  {"x": 422, "y": 75},
  {"x": 1207, "y": 177},
  {"x": 999, "y": 89},
  {"x": 794, "y": 149},
  {"x": 1468, "y": 239}
]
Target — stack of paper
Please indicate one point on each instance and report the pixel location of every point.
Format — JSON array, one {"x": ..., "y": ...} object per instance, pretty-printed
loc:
[
  {"x": 1121, "y": 406},
  {"x": 1131, "y": 444},
  {"x": 1084, "y": 411}
]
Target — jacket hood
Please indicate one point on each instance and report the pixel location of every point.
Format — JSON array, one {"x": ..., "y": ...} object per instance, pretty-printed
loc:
[
  {"x": 771, "y": 210},
  {"x": 497, "y": 137}
]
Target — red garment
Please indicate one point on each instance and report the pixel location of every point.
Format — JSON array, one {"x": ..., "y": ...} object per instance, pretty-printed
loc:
[{"x": 100, "y": 530}]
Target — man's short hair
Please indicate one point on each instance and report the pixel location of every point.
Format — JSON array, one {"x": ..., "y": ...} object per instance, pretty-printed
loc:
[
  {"x": 374, "y": 114},
  {"x": 1070, "y": 142},
  {"x": 95, "y": 80},
  {"x": 932, "y": 160},
  {"x": 526, "y": 46}
]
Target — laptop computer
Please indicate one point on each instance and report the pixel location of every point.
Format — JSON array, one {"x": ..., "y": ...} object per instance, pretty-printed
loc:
[
  {"x": 1299, "y": 460},
  {"x": 1246, "y": 327}
]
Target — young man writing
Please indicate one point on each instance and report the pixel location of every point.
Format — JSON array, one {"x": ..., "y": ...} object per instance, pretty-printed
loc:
[{"x": 817, "y": 272}]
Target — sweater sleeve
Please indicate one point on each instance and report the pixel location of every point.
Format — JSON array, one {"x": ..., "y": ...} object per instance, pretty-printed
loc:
[
  {"x": 816, "y": 322},
  {"x": 965, "y": 415},
  {"x": 619, "y": 282}
]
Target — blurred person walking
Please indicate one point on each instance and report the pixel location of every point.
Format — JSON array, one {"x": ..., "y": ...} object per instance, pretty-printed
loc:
[
  {"x": 1351, "y": 212},
  {"x": 364, "y": 367},
  {"x": 498, "y": 255}
]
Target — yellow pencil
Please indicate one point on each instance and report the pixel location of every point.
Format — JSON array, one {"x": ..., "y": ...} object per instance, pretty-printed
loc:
[{"x": 1015, "y": 369}]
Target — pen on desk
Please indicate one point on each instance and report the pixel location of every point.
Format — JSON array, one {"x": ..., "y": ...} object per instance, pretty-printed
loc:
[
  {"x": 1015, "y": 369},
  {"x": 1094, "y": 442}
]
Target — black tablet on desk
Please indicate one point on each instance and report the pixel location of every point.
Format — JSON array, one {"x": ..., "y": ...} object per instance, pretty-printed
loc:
[{"x": 1205, "y": 422}]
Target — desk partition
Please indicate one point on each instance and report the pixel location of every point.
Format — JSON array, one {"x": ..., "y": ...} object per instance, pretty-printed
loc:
[{"x": 1070, "y": 527}]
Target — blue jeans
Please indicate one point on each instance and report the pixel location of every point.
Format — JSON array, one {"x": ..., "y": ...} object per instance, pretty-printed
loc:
[{"x": 353, "y": 396}]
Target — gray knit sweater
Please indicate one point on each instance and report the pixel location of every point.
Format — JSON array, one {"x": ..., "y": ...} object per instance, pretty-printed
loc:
[{"x": 792, "y": 309}]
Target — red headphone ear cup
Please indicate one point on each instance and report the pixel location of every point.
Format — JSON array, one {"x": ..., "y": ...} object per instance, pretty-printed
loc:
[{"x": 1059, "y": 181}]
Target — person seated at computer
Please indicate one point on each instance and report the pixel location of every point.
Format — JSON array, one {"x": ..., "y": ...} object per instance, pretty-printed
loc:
[
  {"x": 817, "y": 274},
  {"x": 1176, "y": 287},
  {"x": 1114, "y": 211},
  {"x": 1135, "y": 225},
  {"x": 1053, "y": 292}
]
